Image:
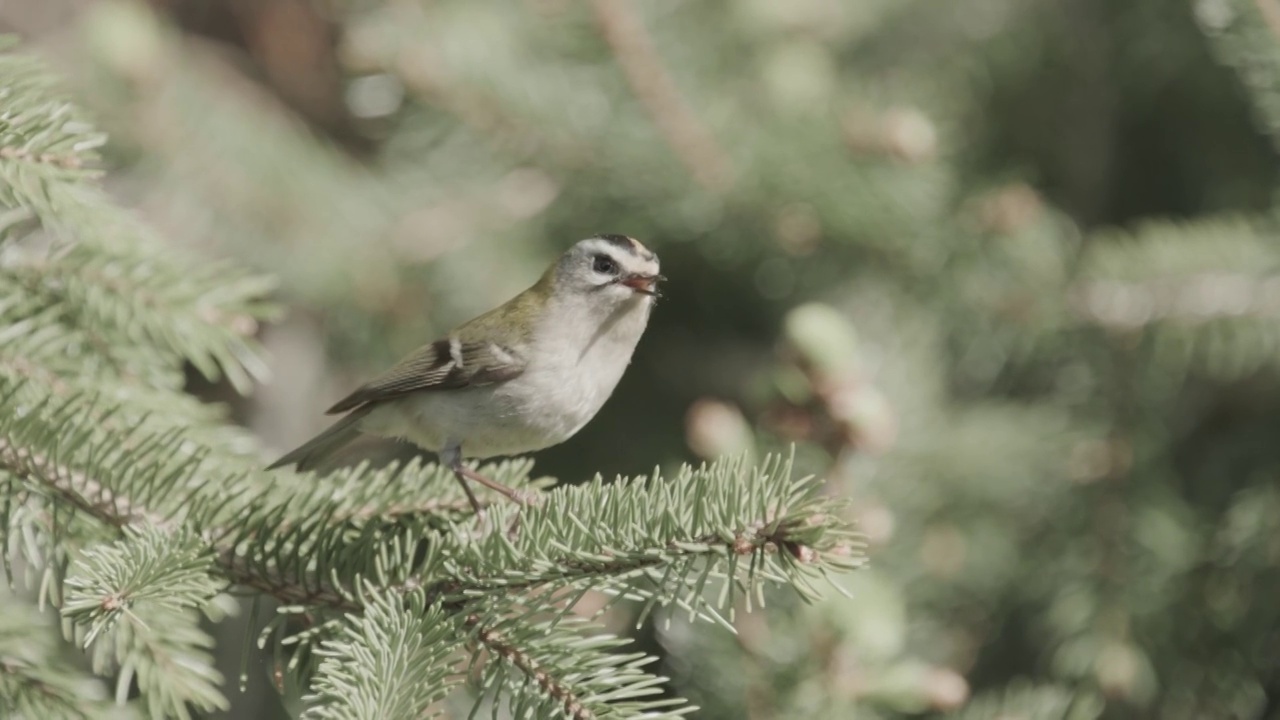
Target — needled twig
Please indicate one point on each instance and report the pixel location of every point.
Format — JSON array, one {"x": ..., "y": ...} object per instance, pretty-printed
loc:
[
  {"x": 77, "y": 488},
  {"x": 496, "y": 643},
  {"x": 116, "y": 510},
  {"x": 66, "y": 161}
]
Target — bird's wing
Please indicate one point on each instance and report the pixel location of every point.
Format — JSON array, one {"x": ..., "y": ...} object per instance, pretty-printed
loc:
[{"x": 445, "y": 364}]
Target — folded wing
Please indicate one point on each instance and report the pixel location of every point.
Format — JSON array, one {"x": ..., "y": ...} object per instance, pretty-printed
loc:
[{"x": 446, "y": 364}]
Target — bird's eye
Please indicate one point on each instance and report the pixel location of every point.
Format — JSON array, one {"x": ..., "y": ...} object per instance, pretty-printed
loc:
[{"x": 605, "y": 265}]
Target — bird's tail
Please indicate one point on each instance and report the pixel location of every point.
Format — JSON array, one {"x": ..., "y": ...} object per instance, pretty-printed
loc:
[{"x": 320, "y": 447}]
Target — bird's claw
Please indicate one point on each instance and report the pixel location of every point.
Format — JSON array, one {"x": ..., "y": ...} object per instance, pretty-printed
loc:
[{"x": 528, "y": 498}]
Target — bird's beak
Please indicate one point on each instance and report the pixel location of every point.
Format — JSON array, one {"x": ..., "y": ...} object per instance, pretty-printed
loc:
[{"x": 643, "y": 284}]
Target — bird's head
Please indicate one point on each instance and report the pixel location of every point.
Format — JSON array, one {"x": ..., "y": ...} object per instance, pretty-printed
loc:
[{"x": 609, "y": 270}]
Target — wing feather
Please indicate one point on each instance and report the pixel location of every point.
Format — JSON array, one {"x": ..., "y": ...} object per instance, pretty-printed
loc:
[{"x": 445, "y": 364}]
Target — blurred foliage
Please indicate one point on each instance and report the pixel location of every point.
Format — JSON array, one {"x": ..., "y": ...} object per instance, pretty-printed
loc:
[
  {"x": 1006, "y": 270},
  {"x": 128, "y": 506}
]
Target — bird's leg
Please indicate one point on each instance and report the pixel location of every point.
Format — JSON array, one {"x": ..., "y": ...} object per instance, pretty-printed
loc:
[
  {"x": 519, "y": 497},
  {"x": 452, "y": 457},
  {"x": 471, "y": 496}
]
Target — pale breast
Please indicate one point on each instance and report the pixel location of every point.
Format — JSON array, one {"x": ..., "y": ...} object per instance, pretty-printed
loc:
[
  {"x": 573, "y": 377},
  {"x": 568, "y": 378}
]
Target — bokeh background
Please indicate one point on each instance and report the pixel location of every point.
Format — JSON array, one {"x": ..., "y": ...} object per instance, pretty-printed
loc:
[{"x": 1007, "y": 272}]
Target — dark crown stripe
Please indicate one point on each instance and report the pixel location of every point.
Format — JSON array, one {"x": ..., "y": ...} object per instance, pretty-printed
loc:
[
  {"x": 631, "y": 245},
  {"x": 621, "y": 241}
]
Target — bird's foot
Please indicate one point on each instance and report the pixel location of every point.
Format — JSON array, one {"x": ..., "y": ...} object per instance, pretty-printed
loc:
[
  {"x": 522, "y": 497},
  {"x": 519, "y": 497},
  {"x": 528, "y": 498}
]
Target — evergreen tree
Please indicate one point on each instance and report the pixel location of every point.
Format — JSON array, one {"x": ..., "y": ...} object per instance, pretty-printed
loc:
[
  {"x": 131, "y": 509},
  {"x": 1003, "y": 271}
]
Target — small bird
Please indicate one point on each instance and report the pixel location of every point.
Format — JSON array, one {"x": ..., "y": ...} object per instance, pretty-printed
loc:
[{"x": 524, "y": 376}]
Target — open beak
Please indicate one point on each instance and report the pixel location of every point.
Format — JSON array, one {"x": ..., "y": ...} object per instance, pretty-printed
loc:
[{"x": 643, "y": 284}]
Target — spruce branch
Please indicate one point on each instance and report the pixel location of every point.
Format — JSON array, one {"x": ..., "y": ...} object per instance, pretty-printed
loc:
[
  {"x": 556, "y": 669},
  {"x": 141, "y": 590},
  {"x": 42, "y": 342},
  {"x": 148, "y": 569},
  {"x": 66, "y": 161},
  {"x": 305, "y": 192},
  {"x": 1207, "y": 293},
  {"x": 623, "y": 29},
  {"x": 1187, "y": 272},
  {"x": 655, "y": 540},
  {"x": 1245, "y": 34},
  {"x": 102, "y": 268},
  {"x": 130, "y": 294},
  {"x": 425, "y": 70},
  {"x": 725, "y": 520},
  {"x": 285, "y": 541},
  {"x": 74, "y": 487},
  {"x": 603, "y": 535},
  {"x": 35, "y": 680},
  {"x": 29, "y": 690},
  {"x": 1023, "y": 700},
  {"x": 43, "y": 138},
  {"x": 641, "y": 538},
  {"x": 43, "y": 359},
  {"x": 660, "y": 540},
  {"x": 395, "y": 659},
  {"x": 168, "y": 655}
]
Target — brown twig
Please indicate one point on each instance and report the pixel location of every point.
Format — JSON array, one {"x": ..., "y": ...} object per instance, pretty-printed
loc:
[
  {"x": 30, "y": 371},
  {"x": 118, "y": 511},
  {"x": 17, "y": 668},
  {"x": 77, "y": 488},
  {"x": 239, "y": 571},
  {"x": 66, "y": 162},
  {"x": 497, "y": 643},
  {"x": 1270, "y": 11},
  {"x": 624, "y": 31},
  {"x": 427, "y": 77}
]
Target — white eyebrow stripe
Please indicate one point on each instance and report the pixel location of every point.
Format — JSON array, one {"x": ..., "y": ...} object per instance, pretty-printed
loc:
[
  {"x": 604, "y": 247},
  {"x": 613, "y": 248}
]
